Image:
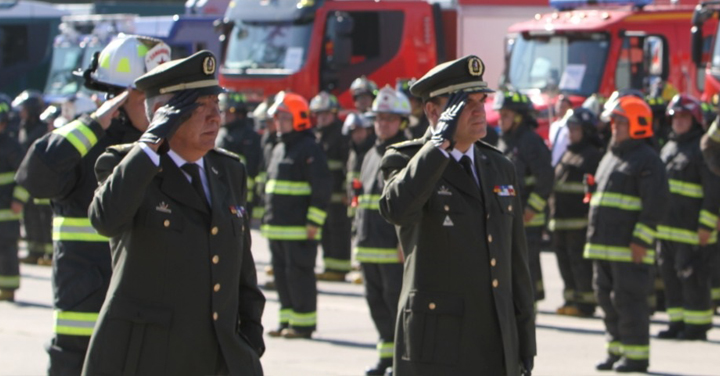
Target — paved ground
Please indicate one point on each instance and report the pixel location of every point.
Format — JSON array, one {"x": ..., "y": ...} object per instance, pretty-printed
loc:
[{"x": 345, "y": 341}]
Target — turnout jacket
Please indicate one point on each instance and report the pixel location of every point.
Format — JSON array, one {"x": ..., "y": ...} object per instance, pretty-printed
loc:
[
  {"x": 531, "y": 158},
  {"x": 695, "y": 190},
  {"x": 336, "y": 147},
  {"x": 628, "y": 204},
  {"x": 710, "y": 146},
  {"x": 184, "y": 285},
  {"x": 240, "y": 138},
  {"x": 10, "y": 156},
  {"x": 466, "y": 287},
  {"x": 375, "y": 239},
  {"x": 298, "y": 188},
  {"x": 267, "y": 142},
  {"x": 567, "y": 209}
]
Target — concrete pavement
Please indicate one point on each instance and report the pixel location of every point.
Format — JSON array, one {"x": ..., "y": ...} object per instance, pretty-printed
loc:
[{"x": 345, "y": 341}]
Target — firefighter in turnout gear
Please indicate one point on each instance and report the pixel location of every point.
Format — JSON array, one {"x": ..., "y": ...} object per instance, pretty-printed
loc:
[
  {"x": 60, "y": 167},
  {"x": 628, "y": 203},
  {"x": 297, "y": 194},
  {"x": 569, "y": 214},
  {"x": 531, "y": 158},
  {"x": 37, "y": 215},
  {"x": 336, "y": 231},
  {"x": 238, "y": 136},
  {"x": 688, "y": 233},
  {"x": 267, "y": 143},
  {"x": 362, "y": 137},
  {"x": 12, "y": 198},
  {"x": 363, "y": 92},
  {"x": 376, "y": 243}
]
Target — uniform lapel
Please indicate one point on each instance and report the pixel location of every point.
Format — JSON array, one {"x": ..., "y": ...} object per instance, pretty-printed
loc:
[
  {"x": 177, "y": 186},
  {"x": 218, "y": 189},
  {"x": 460, "y": 179}
]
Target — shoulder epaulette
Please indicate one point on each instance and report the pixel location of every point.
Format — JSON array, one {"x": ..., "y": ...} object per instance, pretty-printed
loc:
[
  {"x": 121, "y": 148},
  {"x": 419, "y": 142},
  {"x": 226, "y": 153}
]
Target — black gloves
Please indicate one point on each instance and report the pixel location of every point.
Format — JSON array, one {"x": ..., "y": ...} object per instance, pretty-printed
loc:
[
  {"x": 447, "y": 124},
  {"x": 526, "y": 366},
  {"x": 168, "y": 118}
]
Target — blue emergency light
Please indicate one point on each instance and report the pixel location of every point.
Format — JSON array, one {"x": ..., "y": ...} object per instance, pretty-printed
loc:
[{"x": 573, "y": 4}]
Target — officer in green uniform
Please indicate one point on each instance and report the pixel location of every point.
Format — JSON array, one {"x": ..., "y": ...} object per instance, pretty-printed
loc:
[
  {"x": 466, "y": 306},
  {"x": 183, "y": 299}
]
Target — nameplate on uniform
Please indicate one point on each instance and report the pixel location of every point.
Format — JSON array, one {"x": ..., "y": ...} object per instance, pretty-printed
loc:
[
  {"x": 504, "y": 190},
  {"x": 444, "y": 191},
  {"x": 163, "y": 208},
  {"x": 237, "y": 210}
]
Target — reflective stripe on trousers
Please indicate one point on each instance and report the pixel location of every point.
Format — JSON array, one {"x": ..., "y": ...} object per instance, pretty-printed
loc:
[{"x": 74, "y": 323}]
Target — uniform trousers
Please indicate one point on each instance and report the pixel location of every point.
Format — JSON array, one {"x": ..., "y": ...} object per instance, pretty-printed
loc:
[
  {"x": 622, "y": 290},
  {"x": 686, "y": 272},
  {"x": 294, "y": 271},
  {"x": 383, "y": 283},
  {"x": 534, "y": 243},
  {"x": 336, "y": 239},
  {"x": 575, "y": 270}
]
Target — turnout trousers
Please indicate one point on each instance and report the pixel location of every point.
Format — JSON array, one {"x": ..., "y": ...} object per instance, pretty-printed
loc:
[
  {"x": 336, "y": 239},
  {"x": 37, "y": 222},
  {"x": 575, "y": 270},
  {"x": 622, "y": 290},
  {"x": 383, "y": 283},
  {"x": 293, "y": 264},
  {"x": 534, "y": 243},
  {"x": 9, "y": 264},
  {"x": 686, "y": 271}
]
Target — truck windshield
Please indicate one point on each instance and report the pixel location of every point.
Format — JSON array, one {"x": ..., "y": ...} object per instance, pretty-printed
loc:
[
  {"x": 572, "y": 63},
  {"x": 262, "y": 47},
  {"x": 67, "y": 59}
]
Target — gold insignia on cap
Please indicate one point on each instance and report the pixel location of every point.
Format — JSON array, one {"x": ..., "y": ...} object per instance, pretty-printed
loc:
[
  {"x": 475, "y": 67},
  {"x": 209, "y": 65}
]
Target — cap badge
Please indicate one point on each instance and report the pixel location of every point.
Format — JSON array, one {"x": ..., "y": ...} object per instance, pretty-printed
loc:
[
  {"x": 209, "y": 65},
  {"x": 475, "y": 67}
]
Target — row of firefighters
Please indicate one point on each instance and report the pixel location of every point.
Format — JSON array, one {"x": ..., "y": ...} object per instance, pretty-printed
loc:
[{"x": 315, "y": 179}]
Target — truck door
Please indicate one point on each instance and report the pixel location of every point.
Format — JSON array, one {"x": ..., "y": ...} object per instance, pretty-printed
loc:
[
  {"x": 358, "y": 43},
  {"x": 643, "y": 61}
]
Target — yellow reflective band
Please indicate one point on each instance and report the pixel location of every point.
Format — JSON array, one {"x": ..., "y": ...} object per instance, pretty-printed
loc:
[
  {"x": 377, "y": 255},
  {"x": 636, "y": 352},
  {"x": 369, "y": 202},
  {"x": 258, "y": 212},
  {"x": 585, "y": 297},
  {"x": 698, "y": 317},
  {"x": 570, "y": 187},
  {"x": 386, "y": 349},
  {"x": 337, "y": 198},
  {"x": 569, "y": 295},
  {"x": 715, "y": 293},
  {"x": 616, "y": 200},
  {"x": 79, "y": 135},
  {"x": 286, "y": 187},
  {"x": 529, "y": 180},
  {"x": 284, "y": 316},
  {"x": 536, "y": 202},
  {"x": 7, "y": 178},
  {"x": 644, "y": 232},
  {"x": 142, "y": 50},
  {"x": 273, "y": 232},
  {"x": 335, "y": 165},
  {"x": 614, "y": 348},
  {"x": 675, "y": 314},
  {"x": 352, "y": 175},
  {"x": 9, "y": 281},
  {"x": 708, "y": 219},
  {"x": 537, "y": 220},
  {"x": 123, "y": 66},
  {"x": 337, "y": 264},
  {"x": 74, "y": 323},
  {"x": 316, "y": 215},
  {"x": 105, "y": 60},
  {"x": 75, "y": 229},
  {"x": 8, "y": 215},
  {"x": 303, "y": 319},
  {"x": 21, "y": 194},
  {"x": 41, "y": 201},
  {"x": 682, "y": 235},
  {"x": 260, "y": 178},
  {"x": 686, "y": 189},
  {"x": 250, "y": 182},
  {"x": 568, "y": 224},
  {"x": 614, "y": 253}
]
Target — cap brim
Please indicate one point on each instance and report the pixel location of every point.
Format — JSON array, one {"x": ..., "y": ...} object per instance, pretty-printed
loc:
[{"x": 211, "y": 90}]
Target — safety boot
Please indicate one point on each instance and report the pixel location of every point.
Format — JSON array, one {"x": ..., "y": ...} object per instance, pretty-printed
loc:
[
  {"x": 46, "y": 260},
  {"x": 331, "y": 276},
  {"x": 31, "y": 258},
  {"x": 608, "y": 363},
  {"x": 291, "y": 333},
  {"x": 269, "y": 271},
  {"x": 693, "y": 334},
  {"x": 380, "y": 369},
  {"x": 673, "y": 331},
  {"x": 627, "y": 366},
  {"x": 277, "y": 332},
  {"x": 7, "y": 295}
]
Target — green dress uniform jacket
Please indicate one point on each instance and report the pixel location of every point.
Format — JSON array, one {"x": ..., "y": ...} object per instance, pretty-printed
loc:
[
  {"x": 467, "y": 298},
  {"x": 184, "y": 289}
]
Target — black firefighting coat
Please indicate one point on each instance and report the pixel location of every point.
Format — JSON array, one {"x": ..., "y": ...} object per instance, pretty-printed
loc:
[
  {"x": 336, "y": 147},
  {"x": 710, "y": 146},
  {"x": 567, "y": 210},
  {"x": 10, "y": 156},
  {"x": 240, "y": 138}
]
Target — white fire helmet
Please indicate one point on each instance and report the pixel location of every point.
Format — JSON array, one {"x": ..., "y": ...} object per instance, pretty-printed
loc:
[
  {"x": 391, "y": 101},
  {"x": 128, "y": 57}
]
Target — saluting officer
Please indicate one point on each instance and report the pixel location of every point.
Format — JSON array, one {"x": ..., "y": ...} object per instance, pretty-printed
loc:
[
  {"x": 466, "y": 305},
  {"x": 531, "y": 158},
  {"x": 183, "y": 299}
]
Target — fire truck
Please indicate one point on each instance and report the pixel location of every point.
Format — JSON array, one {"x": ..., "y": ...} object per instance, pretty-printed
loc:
[
  {"x": 310, "y": 45},
  {"x": 705, "y": 48},
  {"x": 579, "y": 50}
]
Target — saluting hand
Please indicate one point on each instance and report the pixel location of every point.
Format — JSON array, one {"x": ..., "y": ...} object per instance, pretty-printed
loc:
[
  {"x": 109, "y": 110},
  {"x": 168, "y": 118},
  {"x": 638, "y": 253},
  {"x": 444, "y": 133}
]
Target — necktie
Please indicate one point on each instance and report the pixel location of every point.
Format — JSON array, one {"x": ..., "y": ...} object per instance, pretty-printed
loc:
[
  {"x": 468, "y": 166},
  {"x": 194, "y": 171}
]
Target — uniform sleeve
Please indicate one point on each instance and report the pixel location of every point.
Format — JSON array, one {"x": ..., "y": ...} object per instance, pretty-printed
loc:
[
  {"x": 711, "y": 198},
  {"x": 14, "y": 155},
  {"x": 318, "y": 175},
  {"x": 409, "y": 183},
  {"x": 654, "y": 194},
  {"x": 50, "y": 168},
  {"x": 537, "y": 158},
  {"x": 123, "y": 181},
  {"x": 710, "y": 146}
]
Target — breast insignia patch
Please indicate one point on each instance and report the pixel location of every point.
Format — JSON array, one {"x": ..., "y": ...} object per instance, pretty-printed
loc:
[{"x": 448, "y": 222}]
